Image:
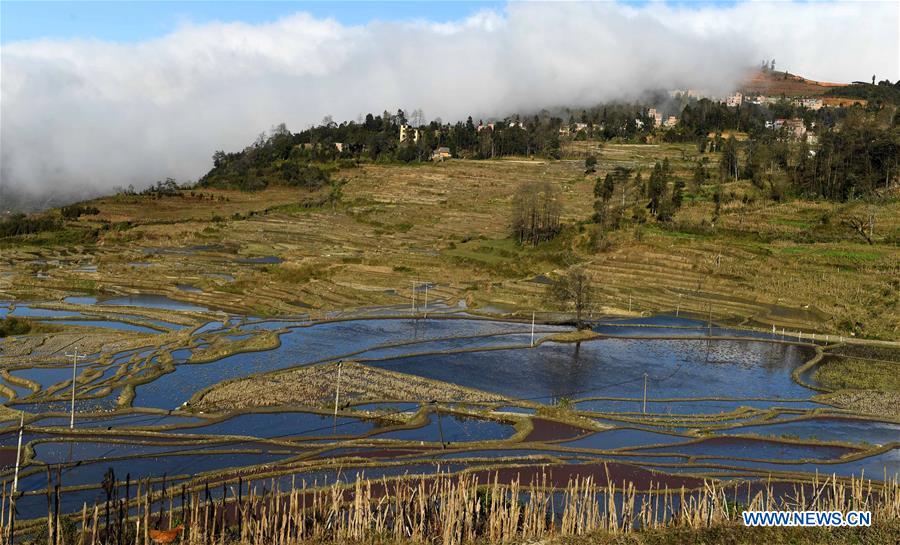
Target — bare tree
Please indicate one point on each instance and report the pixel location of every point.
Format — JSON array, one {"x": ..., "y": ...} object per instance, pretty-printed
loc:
[
  {"x": 863, "y": 226},
  {"x": 536, "y": 211},
  {"x": 575, "y": 289}
]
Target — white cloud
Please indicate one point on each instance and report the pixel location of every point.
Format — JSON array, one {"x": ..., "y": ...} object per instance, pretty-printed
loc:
[{"x": 82, "y": 115}]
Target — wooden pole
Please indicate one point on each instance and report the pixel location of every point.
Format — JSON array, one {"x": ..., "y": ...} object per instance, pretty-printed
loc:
[
  {"x": 15, "y": 486},
  {"x": 532, "y": 329},
  {"x": 645, "y": 393},
  {"x": 75, "y": 357},
  {"x": 337, "y": 391}
]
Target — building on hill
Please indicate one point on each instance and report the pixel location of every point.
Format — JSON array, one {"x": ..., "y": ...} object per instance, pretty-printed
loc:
[
  {"x": 656, "y": 116},
  {"x": 795, "y": 127},
  {"x": 482, "y": 126},
  {"x": 407, "y": 132},
  {"x": 809, "y": 103},
  {"x": 441, "y": 153},
  {"x": 734, "y": 100},
  {"x": 671, "y": 121}
]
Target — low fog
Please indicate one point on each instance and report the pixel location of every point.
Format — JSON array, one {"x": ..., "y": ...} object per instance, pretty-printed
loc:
[{"x": 78, "y": 117}]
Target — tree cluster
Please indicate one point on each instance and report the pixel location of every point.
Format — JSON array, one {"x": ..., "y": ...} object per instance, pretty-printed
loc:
[{"x": 536, "y": 211}]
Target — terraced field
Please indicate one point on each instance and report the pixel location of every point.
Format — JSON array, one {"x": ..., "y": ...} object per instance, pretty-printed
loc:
[{"x": 199, "y": 322}]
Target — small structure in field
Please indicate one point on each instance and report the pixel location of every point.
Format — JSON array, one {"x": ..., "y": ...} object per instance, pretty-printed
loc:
[
  {"x": 441, "y": 153},
  {"x": 407, "y": 132}
]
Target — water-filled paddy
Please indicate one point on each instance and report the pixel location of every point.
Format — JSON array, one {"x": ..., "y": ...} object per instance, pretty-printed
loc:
[
  {"x": 453, "y": 429},
  {"x": 827, "y": 429},
  {"x": 304, "y": 345},
  {"x": 676, "y": 407},
  {"x": 128, "y": 420},
  {"x": 466, "y": 352},
  {"x": 753, "y": 448},
  {"x": 284, "y": 424},
  {"x": 676, "y": 368},
  {"x": 623, "y": 437}
]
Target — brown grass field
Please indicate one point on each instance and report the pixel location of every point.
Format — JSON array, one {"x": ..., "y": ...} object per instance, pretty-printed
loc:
[{"x": 789, "y": 264}]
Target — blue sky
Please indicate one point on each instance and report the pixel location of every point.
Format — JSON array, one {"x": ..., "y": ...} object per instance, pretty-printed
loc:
[
  {"x": 126, "y": 21},
  {"x": 134, "y": 21}
]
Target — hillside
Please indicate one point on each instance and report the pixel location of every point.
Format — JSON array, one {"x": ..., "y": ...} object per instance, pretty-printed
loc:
[
  {"x": 774, "y": 83},
  {"x": 791, "y": 264}
]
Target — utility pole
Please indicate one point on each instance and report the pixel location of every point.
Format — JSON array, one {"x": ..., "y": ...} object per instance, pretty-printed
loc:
[
  {"x": 426, "y": 301},
  {"x": 337, "y": 391},
  {"x": 15, "y": 485},
  {"x": 441, "y": 430},
  {"x": 678, "y": 307},
  {"x": 532, "y": 328},
  {"x": 414, "y": 298},
  {"x": 645, "y": 393},
  {"x": 75, "y": 357}
]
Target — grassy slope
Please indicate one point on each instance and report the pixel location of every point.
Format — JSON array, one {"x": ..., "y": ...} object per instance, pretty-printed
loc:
[{"x": 790, "y": 264}]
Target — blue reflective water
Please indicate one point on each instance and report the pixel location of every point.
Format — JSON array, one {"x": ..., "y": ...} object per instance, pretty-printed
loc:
[
  {"x": 207, "y": 327},
  {"x": 152, "y": 301},
  {"x": 514, "y": 409},
  {"x": 83, "y": 300},
  {"x": 455, "y": 429},
  {"x": 265, "y": 260},
  {"x": 284, "y": 424},
  {"x": 104, "y": 403},
  {"x": 667, "y": 326},
  {"x": 132, "y": 420},
  {"x": 827, "y": 429},
  {"x": 304, "y": 345},
  {"x": 753, "y": 448},
  {"x": 676, "y": 368},
  {"x": 450, "y": 345},
  {"x": 623, "y": 437},
  {"x": 687, "y": 406},
  {"x": 386, "y": 406},
  {"x": 873, "y": 467},
  {"x": 25, "y": 311},
  {"x": 47, "y": 376},
  {"x": 179, "y": 463}
]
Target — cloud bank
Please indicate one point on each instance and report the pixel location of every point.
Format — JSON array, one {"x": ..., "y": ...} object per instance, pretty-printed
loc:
[{"x": 78, "y": 117}]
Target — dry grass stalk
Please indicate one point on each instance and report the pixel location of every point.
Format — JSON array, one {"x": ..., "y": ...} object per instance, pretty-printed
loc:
[{"x": 460, "y": 509}]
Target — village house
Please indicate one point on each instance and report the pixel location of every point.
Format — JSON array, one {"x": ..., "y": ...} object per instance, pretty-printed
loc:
[
  {"x": 407, "y": 132},
  {"x": 795, "y": 126},
  {"x": 441, "y": 153},
  {"x": 656, "y": 116},
  {"x": 809, "y": 103},
  {"x": 734, "y": 100},
  {"x": 482, "y": 126},
  {"x": 671, "y": 121}
]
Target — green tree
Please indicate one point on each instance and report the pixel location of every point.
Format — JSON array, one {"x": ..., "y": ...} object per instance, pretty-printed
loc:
[
  {"x": 729, "y": 162},
  {"x": 656, "y": 188}
]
